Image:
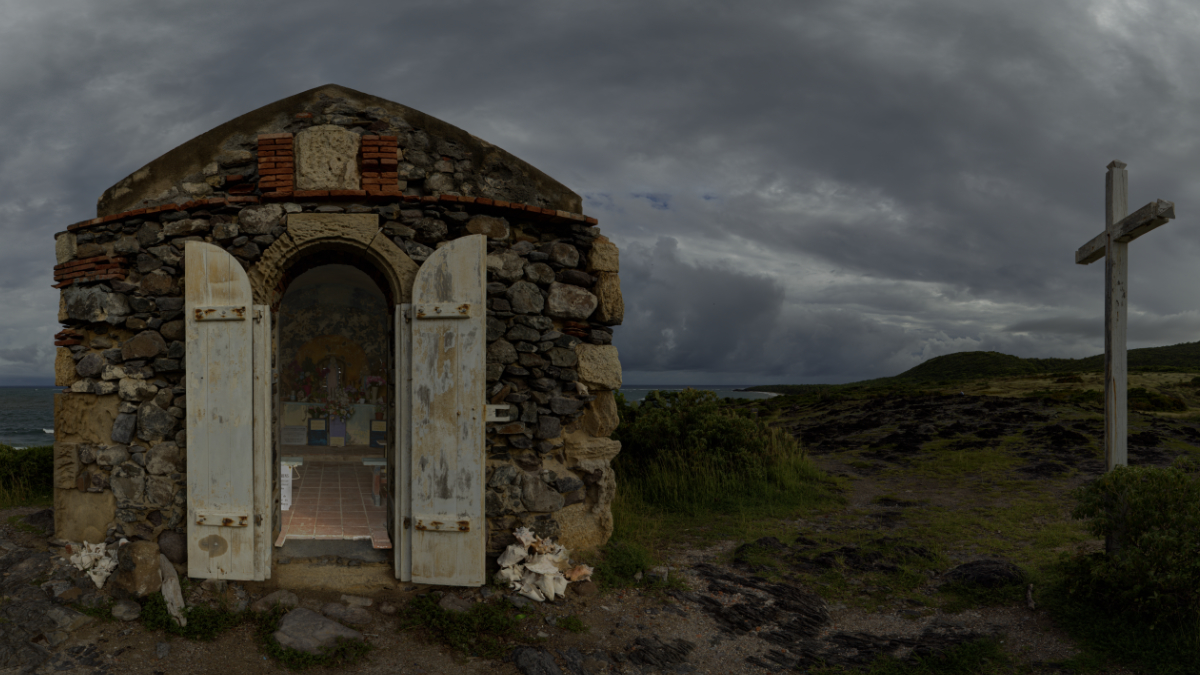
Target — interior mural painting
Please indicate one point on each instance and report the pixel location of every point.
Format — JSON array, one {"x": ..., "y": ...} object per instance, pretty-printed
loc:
[{"x": 333, "y": 388}]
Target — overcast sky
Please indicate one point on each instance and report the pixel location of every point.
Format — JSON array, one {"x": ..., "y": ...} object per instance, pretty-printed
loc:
[{"x": 802, "y": 192}]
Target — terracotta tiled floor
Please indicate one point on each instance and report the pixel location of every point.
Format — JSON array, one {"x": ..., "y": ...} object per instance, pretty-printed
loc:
[{"x": 332, "y": 500}]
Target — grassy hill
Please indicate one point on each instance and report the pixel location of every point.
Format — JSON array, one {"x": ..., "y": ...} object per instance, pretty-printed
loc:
[{"x": 969, "y": 366}]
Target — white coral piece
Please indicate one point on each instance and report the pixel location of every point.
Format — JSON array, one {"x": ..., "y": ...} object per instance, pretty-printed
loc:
[
  {"x": 545, "y": 584},
  {"x": 541, "y": 564},
  {"x": 524, "y": 536},
  {"x": 512, "y": 555},
  {"x": 579, "y": 573},
  {"x": 529, "y": 589},
  {"x": 560, "y": 584},
  {"x": 96, "y": 561},
  {"x": 509, "y": 575}
]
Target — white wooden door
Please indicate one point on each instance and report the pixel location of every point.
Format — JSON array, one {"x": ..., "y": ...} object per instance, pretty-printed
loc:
[
  {"x": 443, "y": 527},
  {"x": 228, "y": 438}
]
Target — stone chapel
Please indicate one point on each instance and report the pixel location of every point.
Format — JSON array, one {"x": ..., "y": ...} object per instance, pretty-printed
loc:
[{"x": 336, "y": 317}]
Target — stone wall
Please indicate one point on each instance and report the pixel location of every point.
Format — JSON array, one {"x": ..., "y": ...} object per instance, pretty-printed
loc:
[{"x": 553, "y": 295}]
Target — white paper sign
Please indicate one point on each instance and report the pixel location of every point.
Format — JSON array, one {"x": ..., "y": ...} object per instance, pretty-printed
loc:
[{"x": 285, "y": 487}]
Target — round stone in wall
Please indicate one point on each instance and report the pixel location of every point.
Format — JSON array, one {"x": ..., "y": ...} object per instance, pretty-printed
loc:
[{"x": 570, "y": 302}]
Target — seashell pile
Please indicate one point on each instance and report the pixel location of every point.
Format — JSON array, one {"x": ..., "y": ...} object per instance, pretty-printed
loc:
[
  {"x": 538, "y": 568},
  {"x": 96, "y": 560}
]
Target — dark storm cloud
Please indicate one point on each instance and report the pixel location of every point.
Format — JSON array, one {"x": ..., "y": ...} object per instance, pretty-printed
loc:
[{"x": 852, "y": 187}]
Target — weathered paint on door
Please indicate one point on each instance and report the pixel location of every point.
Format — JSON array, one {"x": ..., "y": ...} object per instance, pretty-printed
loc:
[
  {"x": 446, "y": 344},
  {"x": 399, "y": 505},
  {"x": 226, "y": 528}
]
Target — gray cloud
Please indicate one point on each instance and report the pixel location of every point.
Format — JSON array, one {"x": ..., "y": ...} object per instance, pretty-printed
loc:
[{"x": 852, "y": 187}]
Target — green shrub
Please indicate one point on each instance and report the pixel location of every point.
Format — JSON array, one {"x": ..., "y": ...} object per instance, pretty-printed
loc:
[
  {"x": 622, "y": 560},
  {"x": 1141, "y": 399},
  {"x": 686, "y": 451},
  {"x": 1154, "y": 514},
  {"x": 484, "y": 630},
  {"x": 26, "y": 474}
]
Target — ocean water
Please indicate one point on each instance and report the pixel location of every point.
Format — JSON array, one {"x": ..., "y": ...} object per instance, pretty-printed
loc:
[
  {"x": 637, "y": 392},
  {"x": 26, "y": 413}
]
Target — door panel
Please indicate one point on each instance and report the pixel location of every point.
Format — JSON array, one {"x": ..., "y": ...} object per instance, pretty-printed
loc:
[
  {"x": 446, "y": 399},
  {"x": 220, "y": 421}
]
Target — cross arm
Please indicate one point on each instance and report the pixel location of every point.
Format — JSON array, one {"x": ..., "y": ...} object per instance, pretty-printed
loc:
[{"x": 1150, "y": 216}]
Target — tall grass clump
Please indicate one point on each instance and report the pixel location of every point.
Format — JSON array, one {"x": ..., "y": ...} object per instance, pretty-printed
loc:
[
  {"x": 687, "y": 452},
  {"x": 26, "y": 475}
]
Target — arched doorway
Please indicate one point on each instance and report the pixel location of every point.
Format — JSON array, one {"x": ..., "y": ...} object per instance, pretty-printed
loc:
[{"x": 333, "y": 400}]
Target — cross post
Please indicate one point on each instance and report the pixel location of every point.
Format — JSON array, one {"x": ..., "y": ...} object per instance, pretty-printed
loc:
[{"x": 1120, "y": 228}]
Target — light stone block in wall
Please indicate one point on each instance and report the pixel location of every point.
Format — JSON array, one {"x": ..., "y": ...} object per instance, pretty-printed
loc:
[
  {"x": 354, "y": 228},
  {"x": 399, "y": 261},
  {"x": 599, "y": 366},
  {"x": 64, "y": 368},
  {"x": 83, "y": 516},
  {"x": 84, "y": 418},
  {"x": 600, "y": 416},
  {"x": 580, "y": 446},
  {"x": 611, "y": 308},
  {"x": 66, "y": 465},
  {"x": 327, "y": 159},
  {"x": 603, "y": 257},
  {"x": 64, "y": 247}
]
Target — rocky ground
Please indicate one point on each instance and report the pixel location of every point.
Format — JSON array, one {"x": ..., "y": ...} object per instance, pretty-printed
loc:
[{"x": 841, "y": 586}]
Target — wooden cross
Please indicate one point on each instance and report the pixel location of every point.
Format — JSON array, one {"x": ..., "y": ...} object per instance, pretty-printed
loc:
[{"x": 1112, "y": 245}]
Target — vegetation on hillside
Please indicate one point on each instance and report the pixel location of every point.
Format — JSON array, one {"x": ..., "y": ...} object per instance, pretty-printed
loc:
[{"x": 968, "y": 366}]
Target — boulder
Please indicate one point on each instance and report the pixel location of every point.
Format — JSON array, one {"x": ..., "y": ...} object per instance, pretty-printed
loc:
[
  {"x": 488, "y": 226},
  {"x": 138, "y": 568},
  {"x": 112, "y": 455},
  {"x": 158, "y": 283},
  {"x": 163, "y": 458},
  {"x": 95, "y": 304},
  {"x": 131, "y": 389},
  {"x": 502, "y": 352},
  {"x": 562, "y": 254},
  {"x": 154, "y": 423},
  {"x": 346, "y": 614},
  {"x": 537, "y": 496},
  {"x": 452, "y": 603},
  {"x": 172, "y": 330},
  {"x": 539, "y": 273},
  {"x": 126, "y": 610},
  {"x": 305, "y": 630},
  {"x": 90, "y": 365},
  {"x": 525, "y": 298},
  {"x": 281, "y": 597},
  {"x": 985, "y": 574},
  {"x": 255, "y": 220},
  {"x": 123, "y": 428},
  {"x": 570, "y": 302},
  {"x": 507, "y": 265},
  {"x": 128, "y": 482},
  {"x": 145, "y": 345},
  {"x": 186, "y": 227},
  {"x": 173, "y": 545},
  {"x": 43, "y": 520}
]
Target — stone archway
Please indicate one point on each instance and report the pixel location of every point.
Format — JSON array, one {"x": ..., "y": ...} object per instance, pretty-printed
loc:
[
  {"x": 309, "y": 232},
  {"x": 317, "y": 235}
]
